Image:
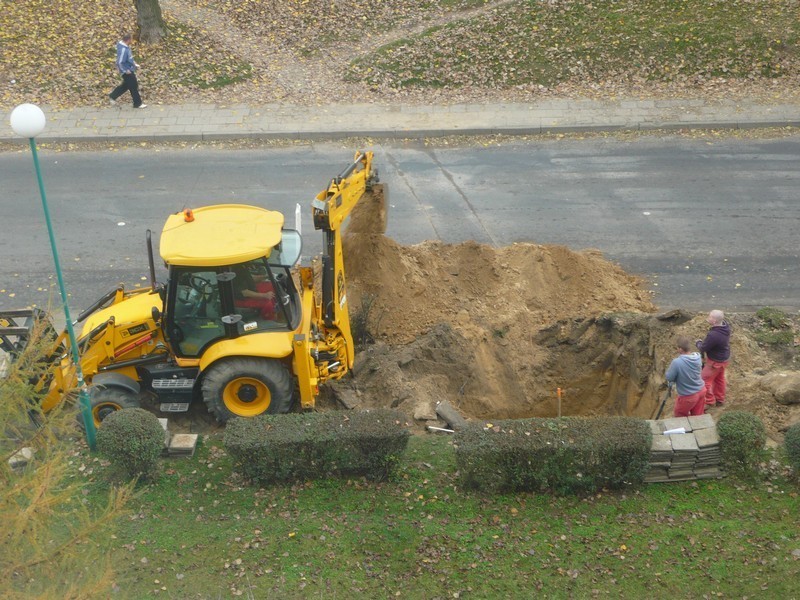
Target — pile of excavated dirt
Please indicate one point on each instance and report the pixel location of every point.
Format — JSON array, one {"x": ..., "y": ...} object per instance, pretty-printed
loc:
[{"x": 497, "y": 331}]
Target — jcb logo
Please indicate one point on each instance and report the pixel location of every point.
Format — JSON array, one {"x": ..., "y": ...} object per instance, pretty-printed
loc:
[{"x": 342, "y": 294}]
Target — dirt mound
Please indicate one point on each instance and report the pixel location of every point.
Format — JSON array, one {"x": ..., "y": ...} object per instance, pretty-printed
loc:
[
  {"x": 507, "y": 291},
  {"x": 497, "y": 331}
]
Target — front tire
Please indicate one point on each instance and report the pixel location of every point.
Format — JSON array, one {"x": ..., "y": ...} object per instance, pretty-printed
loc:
[
  {"x": 107, "y": 400},
  {"x": 247, "y": 387}
]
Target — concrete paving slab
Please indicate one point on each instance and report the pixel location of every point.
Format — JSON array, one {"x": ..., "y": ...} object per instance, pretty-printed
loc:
[
  {"x": 683, "y": 443},
  {"x": 677, "y": 423},
  {"x": 707, "y": 437},
  {"x": 701, "y": 422}
]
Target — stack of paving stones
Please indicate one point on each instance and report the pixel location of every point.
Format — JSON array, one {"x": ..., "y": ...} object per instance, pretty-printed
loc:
[
  {"x": 684, "y": 456},
  {"x": 178, "y": 444}
]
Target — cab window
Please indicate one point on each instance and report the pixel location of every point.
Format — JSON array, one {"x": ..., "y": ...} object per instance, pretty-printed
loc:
[{"x": 198, "y": 308}]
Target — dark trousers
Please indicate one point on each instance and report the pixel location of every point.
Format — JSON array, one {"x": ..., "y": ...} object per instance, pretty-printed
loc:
[{"x": 129, "y": 83}]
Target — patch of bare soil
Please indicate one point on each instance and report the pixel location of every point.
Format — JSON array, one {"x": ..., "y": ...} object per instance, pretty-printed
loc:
[{"x": 497, "y": 331}]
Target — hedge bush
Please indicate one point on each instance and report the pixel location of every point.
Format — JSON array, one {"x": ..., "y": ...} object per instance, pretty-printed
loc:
[
  {"x": 564, "y": 456},
  {"x": 791, "y": 442},
  {"x": 133, "y": 441},
  {"x": 742, "y": 441},
  {"x": 280, "y": 448}
]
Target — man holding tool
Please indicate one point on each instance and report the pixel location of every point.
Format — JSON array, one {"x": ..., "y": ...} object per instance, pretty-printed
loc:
[{"x": 684, "y": 372}]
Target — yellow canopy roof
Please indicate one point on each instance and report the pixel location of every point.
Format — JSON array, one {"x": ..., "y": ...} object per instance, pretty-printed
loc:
[{"x": 222, "y": 234}]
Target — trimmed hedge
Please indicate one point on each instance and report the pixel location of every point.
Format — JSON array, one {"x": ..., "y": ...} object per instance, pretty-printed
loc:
[
  {"x": 133, "y": 441},
  {"x": 742, "y": 441},
  {"x": 296, "y": 447},
  {"x": 565, "y": 456},
  {"x": 791, "y": 442}
]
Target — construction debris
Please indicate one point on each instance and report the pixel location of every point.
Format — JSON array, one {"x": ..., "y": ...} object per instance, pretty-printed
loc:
[
  {"x": 450, "y": 414},
  {"x": 182, "y": 444},
  {"x": 21, "y": 458},
  {"x": 178, "y": 444}
]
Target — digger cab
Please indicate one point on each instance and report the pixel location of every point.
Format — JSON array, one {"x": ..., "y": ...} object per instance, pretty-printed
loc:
[
  {"x": 208, "y": 304},
  {"x": 229, "y": 277}
]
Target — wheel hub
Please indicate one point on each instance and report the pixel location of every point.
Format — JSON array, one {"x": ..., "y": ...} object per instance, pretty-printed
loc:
[{"x": 247, "y": 393}]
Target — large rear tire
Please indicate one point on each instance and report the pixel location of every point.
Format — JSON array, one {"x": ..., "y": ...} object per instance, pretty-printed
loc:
[
  {"x": 247, "y": 387},
  {"x": 107, "y": 400}
]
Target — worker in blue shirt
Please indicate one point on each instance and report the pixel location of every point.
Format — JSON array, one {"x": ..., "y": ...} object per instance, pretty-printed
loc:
[{"x": 684, "y": 372}]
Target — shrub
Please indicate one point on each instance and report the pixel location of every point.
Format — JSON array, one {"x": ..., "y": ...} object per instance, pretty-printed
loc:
[
  {"x": 133, "y": 440},
  {"x": 792, "y": 444},
  {"x": 296, "y": 447},
  {"x": 742, "y": 440},
  {"x": 568, "y": 455}
]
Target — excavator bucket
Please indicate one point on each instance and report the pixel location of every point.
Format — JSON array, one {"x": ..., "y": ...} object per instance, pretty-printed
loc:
[{"x": 369, "y": 215}]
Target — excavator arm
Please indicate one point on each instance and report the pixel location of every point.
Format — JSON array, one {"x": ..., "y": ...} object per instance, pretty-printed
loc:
[{"x": 330, "y": 208}]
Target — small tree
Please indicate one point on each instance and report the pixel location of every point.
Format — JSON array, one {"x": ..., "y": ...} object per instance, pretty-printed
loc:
[{"x": 52, "y": 544}]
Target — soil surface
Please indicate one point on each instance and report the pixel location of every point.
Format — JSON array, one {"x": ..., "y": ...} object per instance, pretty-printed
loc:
[{"x": 498, "y": 331}]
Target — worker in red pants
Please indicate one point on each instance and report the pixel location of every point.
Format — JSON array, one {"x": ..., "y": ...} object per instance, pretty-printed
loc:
[{"x": 717, "y": 348}]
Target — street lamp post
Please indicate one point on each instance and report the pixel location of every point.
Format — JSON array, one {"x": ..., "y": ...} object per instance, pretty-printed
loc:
[{"x": 28, "y": 120}]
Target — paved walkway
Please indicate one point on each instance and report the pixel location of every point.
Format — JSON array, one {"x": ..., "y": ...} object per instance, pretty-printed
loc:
[{"x": 271, "y": 121}]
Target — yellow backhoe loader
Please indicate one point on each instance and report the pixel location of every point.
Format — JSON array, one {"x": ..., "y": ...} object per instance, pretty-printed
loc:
[{"x": 237, "y": 324}]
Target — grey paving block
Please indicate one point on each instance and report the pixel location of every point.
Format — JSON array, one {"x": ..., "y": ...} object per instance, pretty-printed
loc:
[
  {"x": 676, "y": 422},
  {"x": 183, "y": 444},
  {"x": 709, "y": 452},
  {"x": 701, "y": 422},
  {"x": 707, "y": 437},
  {"x": 656, "y": 427},
  {"x": 661, "y": 443},
  {"x": 684, "y": 443}
]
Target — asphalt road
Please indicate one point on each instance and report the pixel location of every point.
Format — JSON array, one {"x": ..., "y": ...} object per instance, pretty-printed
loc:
[{"x": 707, "y": 223}]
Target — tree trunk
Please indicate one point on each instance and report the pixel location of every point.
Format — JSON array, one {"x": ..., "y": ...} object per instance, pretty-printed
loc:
[{"x": 151, "y": 24}]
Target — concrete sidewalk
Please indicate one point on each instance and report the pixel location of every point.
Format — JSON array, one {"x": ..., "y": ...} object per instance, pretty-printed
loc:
[{"x": 273, "y": 121}]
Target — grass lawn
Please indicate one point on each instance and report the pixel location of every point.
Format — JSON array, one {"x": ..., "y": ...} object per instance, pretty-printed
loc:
[
  {"x": 200, "y": 532},
  {"x": 527, "y": 43}
]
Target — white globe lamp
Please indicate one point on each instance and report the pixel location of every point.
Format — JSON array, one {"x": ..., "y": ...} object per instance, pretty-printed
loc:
[{"x": 27, "y": 120}]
